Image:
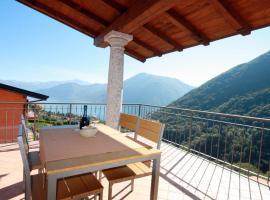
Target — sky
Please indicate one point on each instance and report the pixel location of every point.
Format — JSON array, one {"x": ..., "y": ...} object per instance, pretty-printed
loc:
[{"x": 34, "y": 47}]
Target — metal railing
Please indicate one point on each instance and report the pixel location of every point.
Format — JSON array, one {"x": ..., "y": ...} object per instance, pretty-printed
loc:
[{"x": 241, "y": 143}]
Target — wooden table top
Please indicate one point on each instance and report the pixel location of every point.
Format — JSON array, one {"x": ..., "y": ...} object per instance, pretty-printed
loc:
[{"x": 64, "y": 149}]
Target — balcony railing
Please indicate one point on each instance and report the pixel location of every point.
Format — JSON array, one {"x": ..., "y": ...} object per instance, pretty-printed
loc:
[{"x": 240, "y": 143}]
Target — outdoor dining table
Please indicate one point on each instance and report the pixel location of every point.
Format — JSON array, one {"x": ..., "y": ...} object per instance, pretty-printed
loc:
[{"x": 64, "y": 152}]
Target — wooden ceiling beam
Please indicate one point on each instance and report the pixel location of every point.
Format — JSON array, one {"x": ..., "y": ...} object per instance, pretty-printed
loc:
[
  {"x": 140, "y": 13},
  {"x": 65, "y": 19},
  {"x": 134, "y": 54},
  {"x": 115, "y": 5},
  {"x": 231, "y": 16},
  {"x": 163, "y": 37},
  {"x": 181, "y": 22},
  {"x": 75, "y": 6},
  {"x": 146, "y": 46}
]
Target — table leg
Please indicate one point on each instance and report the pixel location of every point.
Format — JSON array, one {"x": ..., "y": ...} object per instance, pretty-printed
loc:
[
  {"x": 155, "y": 179},
  {"x": 52, "y": 184}
]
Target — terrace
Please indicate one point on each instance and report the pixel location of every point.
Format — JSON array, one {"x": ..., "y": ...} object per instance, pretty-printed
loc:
[
  {"x": 201, "y": 168},
  {"x": 205, "y": 155}
]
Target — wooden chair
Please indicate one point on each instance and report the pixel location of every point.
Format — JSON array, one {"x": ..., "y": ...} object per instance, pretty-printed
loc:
[
  {"x": 147, "y": 129},
  {"x": 74, "y": 187},
  {"x": 130, "y": 122},
  {"x": 33, "y": 156}
]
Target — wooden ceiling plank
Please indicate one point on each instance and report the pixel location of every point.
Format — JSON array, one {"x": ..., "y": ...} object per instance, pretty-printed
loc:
[
  {"x": 115, "y": 5},
  {"x": 134, "y": 54},
  {"x": 163, "y": 37},
  {"x": 231, "y": 16},
  {"x": 179, "y": 20},
  {"x": 43, "y": 8},
  {"x": 75, "y": 6},
  {"x": 140, "y": 13},
  {"x": 146, "y": 46}
]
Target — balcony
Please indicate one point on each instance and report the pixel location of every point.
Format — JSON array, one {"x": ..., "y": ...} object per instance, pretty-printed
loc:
[{"x": 205, "y": 155}]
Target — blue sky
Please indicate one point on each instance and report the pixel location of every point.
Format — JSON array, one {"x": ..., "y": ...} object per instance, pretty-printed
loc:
[{"x": 34, "y": 47}]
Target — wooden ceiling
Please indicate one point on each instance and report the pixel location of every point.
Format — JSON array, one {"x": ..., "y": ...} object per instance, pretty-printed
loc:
[{"x": 158, "y": 26}]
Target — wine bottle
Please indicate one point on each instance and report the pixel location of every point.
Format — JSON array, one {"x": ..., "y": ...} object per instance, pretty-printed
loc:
[{"x": 85, "y": 121}]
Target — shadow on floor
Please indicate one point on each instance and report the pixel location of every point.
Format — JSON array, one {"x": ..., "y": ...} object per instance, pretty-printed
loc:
[
  {"x": 3, "y": 175},
  {"x": 11, "y": 191}
]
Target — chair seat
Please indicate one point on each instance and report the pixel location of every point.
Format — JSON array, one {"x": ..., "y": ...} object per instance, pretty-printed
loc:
[
  {"x": 69, "y": 188},
  {"x": 34, "y": 160},
  {"x": 127, "y": 172},
  {"x": 140, "y": 169}
]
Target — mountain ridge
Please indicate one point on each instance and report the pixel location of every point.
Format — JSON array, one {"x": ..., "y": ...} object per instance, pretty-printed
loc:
[
  {"x": 142, "y": 88},
  {"x": 37, "y": 85}
]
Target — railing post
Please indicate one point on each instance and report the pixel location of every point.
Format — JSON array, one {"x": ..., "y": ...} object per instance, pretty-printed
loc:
[
  {"x": 6, "y": 129},
  {"x": 140, "y": 107},
  {"x": 260, "y": 152},
  {"x": 190, "y": 131},
  {"x": 70, "y": 114},
  {"x": 35, "y": 123}
]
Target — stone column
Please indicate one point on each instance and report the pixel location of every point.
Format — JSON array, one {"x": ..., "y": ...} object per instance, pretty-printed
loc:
[{"x": 117, "y": 43}]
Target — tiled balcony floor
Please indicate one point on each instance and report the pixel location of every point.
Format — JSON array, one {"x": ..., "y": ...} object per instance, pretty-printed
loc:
[{"x": 183, "y": 176}]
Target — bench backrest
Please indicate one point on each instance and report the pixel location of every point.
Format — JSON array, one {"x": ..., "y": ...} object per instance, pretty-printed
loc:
[
  {"x": 24, "y": 133},
  {"x": 128, "y": 121},
  {"x": 145, "y": 128},
  {"x": 150, "y": 130}
]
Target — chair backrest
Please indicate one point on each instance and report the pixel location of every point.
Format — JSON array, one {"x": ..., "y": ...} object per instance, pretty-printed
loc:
[
  {"x": 150, "y": 130},
  {"x": 25, "y": 160},
  {"x": 128, "y": 121},
  {"x": 24, "y": 133},
  {"x": 23, "y": 122}
]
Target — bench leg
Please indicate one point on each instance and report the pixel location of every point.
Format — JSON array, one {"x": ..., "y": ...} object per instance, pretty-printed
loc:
[
  {"x": 132, "y": 185},
  {"x": 99, "y": 175},
  {"x": 101, "y": 195},
  {"x": 110, "y": 191},
  {"x": 23, "y": 186}
]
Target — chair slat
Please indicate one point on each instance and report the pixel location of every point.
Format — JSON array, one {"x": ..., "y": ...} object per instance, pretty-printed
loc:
[
  {"x": 128, "y": 121},
  {"x": 150, "y": 130}
]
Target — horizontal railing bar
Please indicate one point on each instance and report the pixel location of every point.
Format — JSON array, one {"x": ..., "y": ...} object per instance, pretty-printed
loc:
[
  {"x": 213, "y": 113},
  {"x": 217, "y": 121},
  {"x": 50, "y": 103},
  {"x": 64, "y": 103}
]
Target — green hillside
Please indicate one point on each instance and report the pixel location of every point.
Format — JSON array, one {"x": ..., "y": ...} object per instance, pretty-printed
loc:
[{"x": 245, "y": 89}]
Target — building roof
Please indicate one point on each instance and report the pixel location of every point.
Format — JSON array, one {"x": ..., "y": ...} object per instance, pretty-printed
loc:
[
  {"x": 24, "y": 92},
  {"x": 158, "y": 26}
]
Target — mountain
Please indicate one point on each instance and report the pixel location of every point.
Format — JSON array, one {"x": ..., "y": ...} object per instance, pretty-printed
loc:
[
  {"x": 245, "y": 89},
  {"x": 33, "y": 86},
  {"x": 142, "y": 88},
  {"x": 73, "y": 92},
  {"x": 155, "y": 90}
]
